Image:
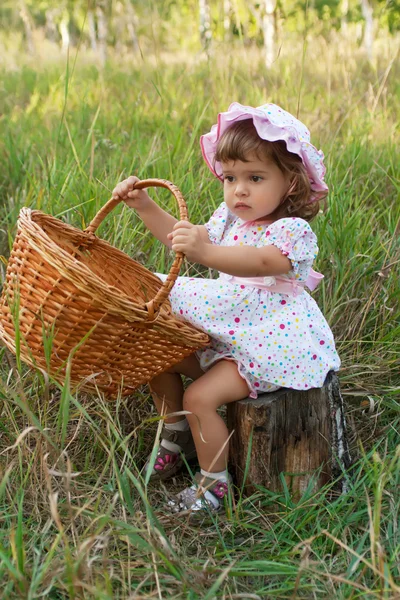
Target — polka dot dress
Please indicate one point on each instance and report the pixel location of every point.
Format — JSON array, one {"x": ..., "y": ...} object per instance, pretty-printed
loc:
[{"x": 276, "y": 339}]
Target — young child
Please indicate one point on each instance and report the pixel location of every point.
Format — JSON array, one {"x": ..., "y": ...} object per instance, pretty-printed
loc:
[{"x": 266, "y": 331}]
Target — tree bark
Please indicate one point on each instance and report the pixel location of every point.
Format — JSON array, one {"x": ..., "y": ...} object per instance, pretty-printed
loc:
[
  {"x": 64, "y": 32},
  {"x": 300, "y": 436},
  {"x": 344, "y": 10},
  {"x": 131, "y": 25},
  {"x": 205, "y": 25},
  {"x": 26, "y": 19},
  {"x": 50, "y": 26},
  {"x": 369, "y": 27},
  {"x": 102, "y": 30},
  {"x": 269, "y": 32},
  {"x": 92, "y": 29},
  {"x": 227, "y": 20}
]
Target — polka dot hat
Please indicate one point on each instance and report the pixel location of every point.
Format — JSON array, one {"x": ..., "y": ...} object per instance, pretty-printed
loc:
[{"x": 272, "y": 123}]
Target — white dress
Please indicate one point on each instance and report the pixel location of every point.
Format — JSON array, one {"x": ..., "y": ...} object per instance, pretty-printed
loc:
[{"x": 277, "y": 339}]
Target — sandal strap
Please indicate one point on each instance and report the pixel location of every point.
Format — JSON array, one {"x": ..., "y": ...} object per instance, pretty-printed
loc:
[
  {"x": 163, "y": 452},
  {"x": 217, "y": 488},
  {"x": 176, "y": 437},
  {"x": 166, "y": 460}
]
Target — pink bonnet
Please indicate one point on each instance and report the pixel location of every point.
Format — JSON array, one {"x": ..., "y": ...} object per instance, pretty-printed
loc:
[{"x": 272, "y": 123}]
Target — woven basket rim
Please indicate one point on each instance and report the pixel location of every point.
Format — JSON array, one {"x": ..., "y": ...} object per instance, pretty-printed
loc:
[{"x": 64, "y": 260}]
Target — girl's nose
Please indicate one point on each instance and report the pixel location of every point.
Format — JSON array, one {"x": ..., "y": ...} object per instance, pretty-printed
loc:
[{"x": 241, "y": 189}]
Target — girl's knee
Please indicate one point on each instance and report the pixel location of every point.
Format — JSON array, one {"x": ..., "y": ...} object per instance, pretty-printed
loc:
[
  {"x": 190, "y": 400},
  {"x": 195, "y": 401}
]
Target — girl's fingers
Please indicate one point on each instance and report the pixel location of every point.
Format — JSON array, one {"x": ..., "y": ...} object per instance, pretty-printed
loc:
[
  {"x": 183, "y": 224},
  {"x": 125, "y": 188},
  {"x": 178, "y": 248},
  {"x": 179, "y": 236}
]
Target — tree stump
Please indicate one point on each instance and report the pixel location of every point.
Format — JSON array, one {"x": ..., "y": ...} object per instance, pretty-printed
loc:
[{"x": 300, "y": 434}]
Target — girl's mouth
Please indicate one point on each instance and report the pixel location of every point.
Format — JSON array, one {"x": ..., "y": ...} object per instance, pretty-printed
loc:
[{"x": 241, "y": 206}]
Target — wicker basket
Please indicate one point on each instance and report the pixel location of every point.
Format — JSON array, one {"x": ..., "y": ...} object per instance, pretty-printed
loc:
[{"x": 70, "y": 298}]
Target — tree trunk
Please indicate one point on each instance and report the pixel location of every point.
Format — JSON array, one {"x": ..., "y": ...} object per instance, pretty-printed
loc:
[
  {"x": 205, "y": 25},
  {"x": 102, "y": 31},
  {"x": 369, "y": 27},
  {"x": 51, "y": 32},
  {"x": 269, "y": 32},
  {"x": 131, "y": 25},
  {"x": 344, "y": 10},
  {"x": 227, "y": 20},
  {"x": 92, "y": 29},
  {"x": 300, "y": 436},
  {"x": 26, "y": 19},
  {"x": 64, "y": 32}
]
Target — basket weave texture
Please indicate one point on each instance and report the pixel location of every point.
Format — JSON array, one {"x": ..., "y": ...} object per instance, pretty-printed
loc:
[{"x": 70, "y": 299}]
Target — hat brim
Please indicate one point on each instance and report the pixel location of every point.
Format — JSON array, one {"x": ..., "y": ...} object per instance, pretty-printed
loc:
[{"x": 268, "y": 129}]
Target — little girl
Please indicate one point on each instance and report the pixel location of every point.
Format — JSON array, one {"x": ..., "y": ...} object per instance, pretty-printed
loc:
[{"x": 266, "y": 331}]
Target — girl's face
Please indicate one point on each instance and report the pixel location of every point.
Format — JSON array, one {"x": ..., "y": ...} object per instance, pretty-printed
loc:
[{"x": 254, "y": 189}]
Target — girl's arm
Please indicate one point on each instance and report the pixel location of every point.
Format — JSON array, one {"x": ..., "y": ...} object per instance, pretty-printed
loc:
[
  {"x": 240, "y": 261},
  {"x": 246, "y": 261},
  {"x": 153, "y": 216},
  {"x": 162, "y": 223},
  {"x": 157, "y": 220}
]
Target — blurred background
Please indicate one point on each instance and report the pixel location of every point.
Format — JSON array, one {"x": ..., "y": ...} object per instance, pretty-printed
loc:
[{"x": 38, "y": 27}]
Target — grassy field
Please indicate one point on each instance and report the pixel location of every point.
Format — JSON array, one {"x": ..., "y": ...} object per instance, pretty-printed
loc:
[{"x": 77, "y": 519}]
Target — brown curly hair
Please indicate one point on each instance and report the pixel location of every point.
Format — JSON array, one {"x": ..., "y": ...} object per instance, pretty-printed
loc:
[{"x": 241, "y": 140}]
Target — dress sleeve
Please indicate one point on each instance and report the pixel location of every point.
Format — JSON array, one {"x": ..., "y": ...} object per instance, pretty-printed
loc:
[
  {"x": 296, "y": 240},
  {"x": 218, "y": 224}
]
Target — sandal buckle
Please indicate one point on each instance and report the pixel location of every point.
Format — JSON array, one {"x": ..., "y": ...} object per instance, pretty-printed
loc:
[{"x": 171, "y": 435}]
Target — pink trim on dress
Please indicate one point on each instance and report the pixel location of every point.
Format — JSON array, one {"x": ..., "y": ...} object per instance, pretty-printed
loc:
[{"x": 277, "y": 284}]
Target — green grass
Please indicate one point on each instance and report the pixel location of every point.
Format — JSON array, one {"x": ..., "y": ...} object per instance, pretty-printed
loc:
[{"x": 77, "y": 520}]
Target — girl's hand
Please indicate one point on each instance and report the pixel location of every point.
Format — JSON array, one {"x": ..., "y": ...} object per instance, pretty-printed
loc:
[
  {"x": 187, "y": 238},
  {"x": 137, "y": 199}
]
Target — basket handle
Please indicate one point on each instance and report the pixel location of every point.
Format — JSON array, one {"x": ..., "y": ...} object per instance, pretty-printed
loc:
[{"x": 153, "y": 306}]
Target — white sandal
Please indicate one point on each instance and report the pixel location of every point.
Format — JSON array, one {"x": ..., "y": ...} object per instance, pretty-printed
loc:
[{"x": 193, "y": 498}]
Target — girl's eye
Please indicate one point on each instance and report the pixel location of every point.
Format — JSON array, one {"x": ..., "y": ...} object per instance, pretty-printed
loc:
[
  {"x": 256, "y": 178},
  {"x": 229, "y": 178}
]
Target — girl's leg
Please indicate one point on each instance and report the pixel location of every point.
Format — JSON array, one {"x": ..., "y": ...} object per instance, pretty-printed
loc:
[
  {"x": 221, "y": 384},
  {"x": 176, "y": 438},
  {"x": 167, "y": 388}
]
